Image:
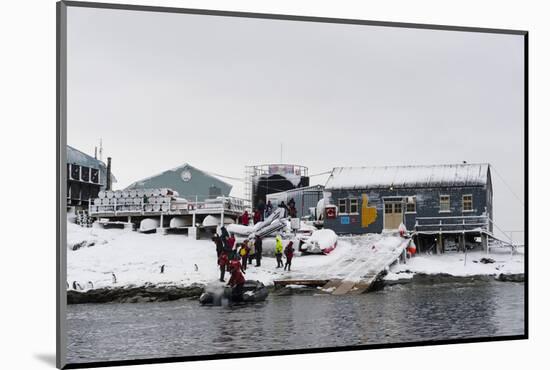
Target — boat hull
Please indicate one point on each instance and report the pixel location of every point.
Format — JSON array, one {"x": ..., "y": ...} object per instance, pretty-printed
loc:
[{"x": 254, "y": 291}]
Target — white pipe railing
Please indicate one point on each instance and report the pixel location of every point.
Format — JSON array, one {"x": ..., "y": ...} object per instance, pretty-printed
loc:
[{"x": 218, "y": 205}]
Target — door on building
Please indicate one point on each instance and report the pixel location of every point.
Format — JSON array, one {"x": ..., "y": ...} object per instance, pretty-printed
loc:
[{"x": 393, "y": 214}]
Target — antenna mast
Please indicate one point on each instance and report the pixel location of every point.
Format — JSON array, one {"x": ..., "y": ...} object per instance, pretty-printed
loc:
[{"x": 101, "y": 149}]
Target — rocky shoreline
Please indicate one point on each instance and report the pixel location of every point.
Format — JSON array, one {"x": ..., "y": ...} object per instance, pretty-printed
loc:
[
  {"x": 423, "y": 278},
  {"x": 157, "y": 293},
  {"x": 135, "y": 294}
]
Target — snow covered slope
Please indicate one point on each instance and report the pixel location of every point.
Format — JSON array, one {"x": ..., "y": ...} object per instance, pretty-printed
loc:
[{"x": 136, "y": 259}]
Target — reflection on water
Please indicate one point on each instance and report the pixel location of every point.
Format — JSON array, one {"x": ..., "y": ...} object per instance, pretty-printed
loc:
[{"x": 402, "y": 313}]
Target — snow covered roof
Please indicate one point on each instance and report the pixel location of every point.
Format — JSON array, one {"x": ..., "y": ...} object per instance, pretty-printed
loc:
[{"x": 408, "y": 176}]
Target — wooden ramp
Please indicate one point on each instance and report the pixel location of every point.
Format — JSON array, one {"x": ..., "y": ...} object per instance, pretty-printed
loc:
[
  {"x": 354, "y": 274},
  {"x": 332, "y": 284},
  {"x": 364, "y": 271},
  {"x": 344, "y": 287},
  {"x": 360, "y": 288}
]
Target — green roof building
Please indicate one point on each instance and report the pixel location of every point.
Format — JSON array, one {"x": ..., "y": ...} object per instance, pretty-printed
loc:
[{"x": 190, "y": 183}]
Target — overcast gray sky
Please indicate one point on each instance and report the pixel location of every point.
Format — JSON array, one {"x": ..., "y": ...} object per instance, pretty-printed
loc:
[{"x": 220, "y": 93}]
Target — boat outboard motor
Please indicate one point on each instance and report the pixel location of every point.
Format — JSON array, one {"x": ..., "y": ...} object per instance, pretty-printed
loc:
[{"x": 213, "y": 294}]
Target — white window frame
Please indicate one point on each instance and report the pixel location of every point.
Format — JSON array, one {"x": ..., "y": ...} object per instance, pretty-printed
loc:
[
  {"x": 400, "y": 204},
  {"x": 407, "y": 206},
  {"x": 345, "y": 200},
  {"x": 440, "y": 203},
  {"x": 471, "y": 202},
  {"x": 356, "y": 200}
]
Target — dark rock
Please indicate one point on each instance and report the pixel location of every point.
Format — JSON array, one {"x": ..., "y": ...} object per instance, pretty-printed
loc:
[
  {"x": 487, "y": 260},
  {"x": 77, "y": 246},
  {"x": 284, "y": 291},
  {"x": 378, "y": 284},
  {"x": 134, "y": 294},
  {"x": 421, "y": 278},
  {"x": 82, "y": 244},
  {"x": 518, "y": 278},
  {"x": 396, "y": 282}
]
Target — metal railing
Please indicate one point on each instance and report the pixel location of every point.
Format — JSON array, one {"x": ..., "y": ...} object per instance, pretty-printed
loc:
[
  {"x": 166, "y": 205},
  {"x": 451, "y": 223}
]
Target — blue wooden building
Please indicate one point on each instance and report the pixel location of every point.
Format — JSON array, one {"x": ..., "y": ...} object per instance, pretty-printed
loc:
[{"x": 442, "y": 204}]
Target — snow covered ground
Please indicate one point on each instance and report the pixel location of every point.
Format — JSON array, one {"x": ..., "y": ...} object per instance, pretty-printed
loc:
[
  {"x": 136, "y": 259},
  {"x": 454, "y": 263}
]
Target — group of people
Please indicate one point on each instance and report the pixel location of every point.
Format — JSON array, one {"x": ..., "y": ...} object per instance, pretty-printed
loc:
[
  {"x": 262, "y": 211},
  {"x": 234, "y": 258},
  {"x": 288, "y": 252},
  {"x": 290, "y": 208}
]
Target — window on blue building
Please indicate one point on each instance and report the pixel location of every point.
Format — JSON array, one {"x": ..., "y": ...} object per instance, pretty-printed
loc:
[
  {"x": 444, "y": 203},
  {"x": 354, "y": 206},
  {"x": 342, "y": 206},
  {"x": 467, "y": 203}
]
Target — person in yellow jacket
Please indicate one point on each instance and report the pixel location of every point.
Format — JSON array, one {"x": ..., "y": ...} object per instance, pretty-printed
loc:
[
  {"x": 279, "y": 250},
  {"x": 243, "y": 252}
]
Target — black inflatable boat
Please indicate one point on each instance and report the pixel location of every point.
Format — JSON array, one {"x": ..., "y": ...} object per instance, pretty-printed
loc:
[{"x": 217, "y": 295}]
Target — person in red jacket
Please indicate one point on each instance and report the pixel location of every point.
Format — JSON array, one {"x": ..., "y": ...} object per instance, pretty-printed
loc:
[
  {"x": 257, "y": 216},
  {"x": 245, "y": 218},
  {"x": 292, "y": 212},
  {"x": 223, "y": 260},
  {"x": 289, "y": 253},
  {"x": 236, "y": 282},
  {"x": 230, "y": 243}
]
